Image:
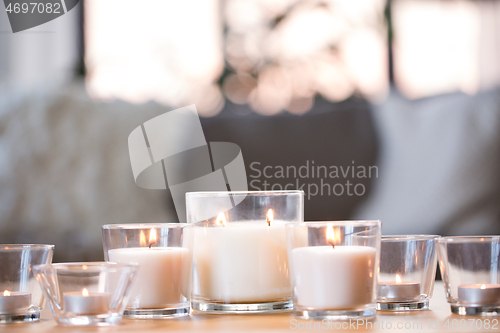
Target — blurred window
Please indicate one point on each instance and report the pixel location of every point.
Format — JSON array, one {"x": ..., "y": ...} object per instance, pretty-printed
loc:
[
  {"x": 168, "y": 51},
  {"x": 442, "y": 46}
]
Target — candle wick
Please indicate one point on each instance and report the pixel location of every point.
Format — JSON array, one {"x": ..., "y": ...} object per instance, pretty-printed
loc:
[
  {"x": 331, "y": 243},
  {"x": 268, "y": 222},
  {"x": 151, "y": 244}
]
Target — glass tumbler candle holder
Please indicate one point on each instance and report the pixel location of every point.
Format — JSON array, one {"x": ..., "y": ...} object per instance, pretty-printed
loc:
[
  {"x": 407, "y": 272},
  {"x": 21, "y": 298},
  {"x": 333, "y": 268},
  {"x": 240, "y": 255},
  {"x": 88, "y": 293},
  {"x": 162, "y": 287},
  {"x": 471, "y": 274}
]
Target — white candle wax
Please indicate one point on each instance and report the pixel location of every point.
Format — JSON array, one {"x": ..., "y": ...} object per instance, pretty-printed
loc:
[
  {"x": 82, "y": 303},
  {"x": 243, "y": 262},
  {"x": 14, "y": 301},
  {"x": 401, "y": 291},
  {"x": 482, "y": 294},
  {"x": 160, "y": 280},
  {"x": 337, "y": 278}
]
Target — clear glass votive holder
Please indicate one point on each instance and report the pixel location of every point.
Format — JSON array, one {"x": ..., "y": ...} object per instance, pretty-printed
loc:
[
  {"x": 162, "y": 287},
  {"x": 86, "y": 293},
  {"x": 407, "y": 272},
  {"x": 471, "y": 274},
  {"x": 21, "y": 298},
  {"x": 333, "y": 268},
  {"x": 240, "y": 254}
]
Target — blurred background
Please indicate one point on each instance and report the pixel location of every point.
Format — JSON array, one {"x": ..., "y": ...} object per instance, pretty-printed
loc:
[{"x": 407, "y": 89}]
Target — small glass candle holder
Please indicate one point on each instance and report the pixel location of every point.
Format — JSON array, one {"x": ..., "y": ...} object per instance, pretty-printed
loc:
[
  {"x": 21, "y": 298},
  {"x": 471, "y": 274},
  {"x": 87, "y": 293},
  {"x": 162, "y": 287},
  {"x": 240, "y": 254},
  {"x": 407, "y": 272},
  {"x": 334, "y": 268}
]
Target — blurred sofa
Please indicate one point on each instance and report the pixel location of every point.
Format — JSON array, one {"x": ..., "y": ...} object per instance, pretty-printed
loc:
[
  {"x": 439, "y": 165},
  {"x": 66, "y": 169}
]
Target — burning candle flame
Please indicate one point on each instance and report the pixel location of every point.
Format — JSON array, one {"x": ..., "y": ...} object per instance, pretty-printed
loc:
[
  {"x": 483, "y": 287},
  {"x": 270, "y": 217},
  {"x": 6, "y": 293},
  {"x": 398, "y": 279},
  {"x": 221, "y": 219},
  {"x": 331, "y": 237},
  {"x": 152, "y": 237},
  {"x": 85, "y": 292},
  {"x": 142, "y": 239}
]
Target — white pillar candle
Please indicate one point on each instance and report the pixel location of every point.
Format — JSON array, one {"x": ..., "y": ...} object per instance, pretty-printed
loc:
[
  {"x": 161, "y": 280},
  {"x": 481, "y": 294},
  {"x": 339, "y": 278},
  {"x": 13, "y": 301},
  {"x": 398, "y": 290},
  {"x": 242, "y": 262},
  {"x": 86, "y": 303}
]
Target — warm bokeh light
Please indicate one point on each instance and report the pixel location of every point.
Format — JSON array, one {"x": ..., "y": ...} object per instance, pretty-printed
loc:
[
  {"x": 6, "y": 293},
  {"x": 297, "y": 49},
  {"x": 142, "y": 238},
  {"x": 279, "y": 53},
  {"x": 85, "y": 292}
]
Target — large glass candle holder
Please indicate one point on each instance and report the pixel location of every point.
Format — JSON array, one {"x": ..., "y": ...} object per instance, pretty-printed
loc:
[
  {"x": 162, "y": 287},
  {"x": 407, "y": 272},
  {"x": 240, "y": 254},
  {"x": 333, "y": 268},
  {"x": 88, "y": 293},
  {"x": 471, "y": 274},
  {"x": 21, "y": 298}
]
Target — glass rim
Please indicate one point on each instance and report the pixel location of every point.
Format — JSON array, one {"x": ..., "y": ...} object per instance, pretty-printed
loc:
[
  {"x": 26, "y": 246},
  {"x": 319, "y": 224},
  {"x": 389, "y": 238},
  {"x": 471, "y": 239},
  {"x": 248, "y": 193},
  {"x": 90, "y": 264},
  {"x": 140, "y": 226}
]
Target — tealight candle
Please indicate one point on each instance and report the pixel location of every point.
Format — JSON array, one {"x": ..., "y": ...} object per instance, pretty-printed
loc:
[
  {"x": 483, "y": 294},
  {"x": 85, "y": 303},
  {"x": 13, "y": 301},
  {"x": 398, "y": 290}
]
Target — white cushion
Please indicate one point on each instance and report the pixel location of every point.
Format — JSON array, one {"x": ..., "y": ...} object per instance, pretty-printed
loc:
[{"x": 439, "y": 165}]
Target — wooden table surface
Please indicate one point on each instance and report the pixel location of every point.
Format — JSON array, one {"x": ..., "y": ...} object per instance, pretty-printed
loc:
[{"x": 437, "y": 319}]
